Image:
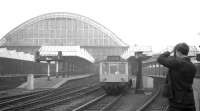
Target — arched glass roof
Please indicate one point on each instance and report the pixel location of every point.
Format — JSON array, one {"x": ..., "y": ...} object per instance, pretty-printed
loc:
[{"x": 61, "y": 29}]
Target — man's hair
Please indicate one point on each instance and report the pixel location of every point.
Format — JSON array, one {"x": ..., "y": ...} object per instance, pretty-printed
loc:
[{"x": 182, "y": 48}]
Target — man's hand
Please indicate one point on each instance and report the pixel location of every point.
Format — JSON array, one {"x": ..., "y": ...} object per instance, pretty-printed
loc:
[{"x": 172, "y": 52}]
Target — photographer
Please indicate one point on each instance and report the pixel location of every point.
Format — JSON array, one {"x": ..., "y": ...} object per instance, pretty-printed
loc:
[{"x": 180, "y": 78}]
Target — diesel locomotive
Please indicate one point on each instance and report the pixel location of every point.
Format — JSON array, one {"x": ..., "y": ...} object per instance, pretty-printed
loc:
[{"x": 114, "y": 75}]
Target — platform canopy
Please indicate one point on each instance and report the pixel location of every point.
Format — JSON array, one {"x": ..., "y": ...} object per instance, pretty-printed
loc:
[
  {"x": 66, "y": 51},
  {"x": 12, "y": 54},
  {"x": 147, "y": 50}
]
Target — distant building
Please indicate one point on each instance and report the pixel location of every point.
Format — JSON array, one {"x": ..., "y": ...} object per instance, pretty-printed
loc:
[{"x": 64, "y": 29}]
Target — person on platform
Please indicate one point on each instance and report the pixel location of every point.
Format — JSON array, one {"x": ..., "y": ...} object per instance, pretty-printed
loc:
[{"x": 180, "y": 78}]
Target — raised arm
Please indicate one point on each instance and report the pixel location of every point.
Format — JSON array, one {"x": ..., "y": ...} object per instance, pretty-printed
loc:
[{"x": 169, "y": 62}]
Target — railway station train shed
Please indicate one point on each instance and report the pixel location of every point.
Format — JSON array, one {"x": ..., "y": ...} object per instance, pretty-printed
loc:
[{"x": 64, "y": 30}]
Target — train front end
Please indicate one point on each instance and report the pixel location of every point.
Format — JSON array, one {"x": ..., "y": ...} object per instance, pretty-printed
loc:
[{"x": 114, "y": 75}]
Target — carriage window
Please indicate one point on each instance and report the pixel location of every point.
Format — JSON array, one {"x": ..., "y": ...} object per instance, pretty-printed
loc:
[
  {"x": 118, "y": 68},
  {"x": 114, "y": 68}
]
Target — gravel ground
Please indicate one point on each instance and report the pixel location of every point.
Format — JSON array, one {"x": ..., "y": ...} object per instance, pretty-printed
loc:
[
  {"x": 132, "y": 101},
  {"x": 129, "y": 102}
]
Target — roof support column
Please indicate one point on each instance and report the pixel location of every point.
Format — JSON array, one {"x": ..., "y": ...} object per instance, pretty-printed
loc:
[
  {"x": 30, "y": 82},
  {"x": 57, "y": 69},
  {"x": 48, "y": 70}
]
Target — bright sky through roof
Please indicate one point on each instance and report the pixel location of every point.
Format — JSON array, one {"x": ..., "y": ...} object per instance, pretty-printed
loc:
[{"x": 158, "y": 23}]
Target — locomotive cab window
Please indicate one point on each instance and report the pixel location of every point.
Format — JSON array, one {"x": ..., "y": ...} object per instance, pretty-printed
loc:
[{"x": 114, "y": 68}]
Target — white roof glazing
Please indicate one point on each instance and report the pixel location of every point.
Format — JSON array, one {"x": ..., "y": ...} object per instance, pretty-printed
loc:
[{"x": 66, "y": 51}]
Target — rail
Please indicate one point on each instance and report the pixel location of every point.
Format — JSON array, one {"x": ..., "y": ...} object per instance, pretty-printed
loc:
[{"x": 101, "y": 103}]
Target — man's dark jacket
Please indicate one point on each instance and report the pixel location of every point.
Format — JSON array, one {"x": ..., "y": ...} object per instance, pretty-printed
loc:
[{"x": 182, "y": 72}]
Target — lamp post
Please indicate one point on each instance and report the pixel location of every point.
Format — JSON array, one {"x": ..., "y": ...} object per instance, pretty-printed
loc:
[
  {"x": 48, "y": 59},
  {"x": 139, "y": 82},
  {"x": 59, "y": 60}
]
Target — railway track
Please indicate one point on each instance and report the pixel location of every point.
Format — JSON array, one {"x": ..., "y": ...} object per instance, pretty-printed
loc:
[
  {"x": 63, "y": 100},
  {"x": 163, "y": 107},
  {"x": 70, "y": 84},
  {"x": 48, "y": 100},
  {"x": 8, "y": 98},
  {"x": 34, "y": 96},
  {"x": 101, "y": 103},
  {"x": 155, "y": 103}
]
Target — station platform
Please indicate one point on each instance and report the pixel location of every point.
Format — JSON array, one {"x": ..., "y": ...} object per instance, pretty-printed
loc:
[
  {"x": 54, "y": 82},
  {"x": 42, "y": 84}
]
